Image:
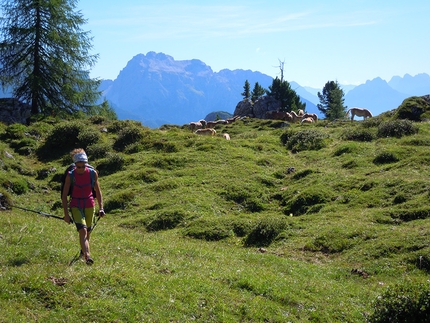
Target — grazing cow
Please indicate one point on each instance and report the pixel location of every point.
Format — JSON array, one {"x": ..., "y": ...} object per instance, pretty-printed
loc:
[
  {"x": 307, "y": 120},
  {"x": 311, "y": 115},
  {"x": 205, "y": 132},
  {"x": 226, "y": 136},
  {"x": 295, "y": 117},
  {"x": 359, "y": 112}
]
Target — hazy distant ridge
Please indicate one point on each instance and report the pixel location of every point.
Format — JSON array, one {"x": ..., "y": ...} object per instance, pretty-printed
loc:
[{"x": 156, "y": 89}]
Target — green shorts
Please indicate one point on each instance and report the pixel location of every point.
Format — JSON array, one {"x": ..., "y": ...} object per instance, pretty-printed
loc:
[{"x": 83, "y": 218}]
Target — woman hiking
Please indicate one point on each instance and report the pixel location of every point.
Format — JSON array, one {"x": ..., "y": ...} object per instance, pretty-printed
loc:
[{"x": 82, "y": 179}]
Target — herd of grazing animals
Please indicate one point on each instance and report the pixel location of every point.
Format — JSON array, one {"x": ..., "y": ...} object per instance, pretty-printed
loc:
[
  {"x": 206, "y": 128},
  {"x": 203, "y": 127}
]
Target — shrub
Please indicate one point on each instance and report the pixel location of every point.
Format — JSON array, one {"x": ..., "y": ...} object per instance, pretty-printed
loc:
[
  {"x": 208, "y": 230},
  {"x": 402, "y": 304},
  {"x": 147, "y": 176},
  {"x": 127, "y": 136},
  {"x": 265, "y": 232},
  {"x": 118, "y": 125},
  {"x": 64, "y": 136},
  {"x": 118, "y": 201},
  {"x": 98, "y": 119},
  {"x": 412, "y": 108},
  {"x": 396, "y": 128},
  {"x": 310, "y": 200},
  {"x": 5, "y": 199},
  {"x": 372, "y": 122},
  {"x": 411, "y": 214},
  {"x": 97, "y": 150},
  {"x": 346, "y": 149},
  {"x": 385, "y": 158},
  {"x": 15, "y": 131},
  {"x": 357, "y": 135},
  {"x": 304, "y": 140},
  {"x": 166, "y": 147},
  {"x": 18, "y": 186},
  {"x": 165, "y": 221},
  {"x": 246, "y": 197},
  {"x": 334, "y": 241},
  {"x": 111, "y": 164},
  {"x": 24, "y": 146},
  {"x": 87, "y": 137}
]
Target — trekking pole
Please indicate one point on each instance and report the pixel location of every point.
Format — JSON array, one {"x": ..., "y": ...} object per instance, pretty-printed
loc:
[{"x": 41, "y": 213}]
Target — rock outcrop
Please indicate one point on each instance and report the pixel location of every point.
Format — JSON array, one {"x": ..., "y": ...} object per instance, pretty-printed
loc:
[
  {"x": 258, "y": 109},
  {"x": 14, "y": 111}
]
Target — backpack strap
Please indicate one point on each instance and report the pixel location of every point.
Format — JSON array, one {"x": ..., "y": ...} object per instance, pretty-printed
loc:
[{"x": 93, "y": 176}]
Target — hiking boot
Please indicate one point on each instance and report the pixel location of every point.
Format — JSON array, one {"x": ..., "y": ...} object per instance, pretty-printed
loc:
[{"x": 89, "y": 261}]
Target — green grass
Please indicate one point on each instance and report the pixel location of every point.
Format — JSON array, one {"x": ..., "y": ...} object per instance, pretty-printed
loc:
[{"x": 201, "y": 229}]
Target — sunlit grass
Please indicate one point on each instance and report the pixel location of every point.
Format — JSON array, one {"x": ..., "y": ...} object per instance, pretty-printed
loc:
[{"x": 209, "y": 230}]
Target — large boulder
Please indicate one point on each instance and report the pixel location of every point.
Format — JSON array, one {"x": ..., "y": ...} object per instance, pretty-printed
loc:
[
  {"x": 264, "y": 104},
  {"x": 14, "y": 111},
  {"x": 244, "y": 109}
]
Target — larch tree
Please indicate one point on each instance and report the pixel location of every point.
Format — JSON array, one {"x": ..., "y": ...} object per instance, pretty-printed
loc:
[
  {"x": 332, "y": 101},
  {"x": 44, "y": 56}
]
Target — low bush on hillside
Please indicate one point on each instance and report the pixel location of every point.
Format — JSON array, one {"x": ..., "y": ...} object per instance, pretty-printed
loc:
[
  {"x": 304, "y": 140},
  {"x": 345, "y": 149},
  {"x": 15, "y": 131},
  {"x": 414, "y": 108},
  {"x": 98, "y": 150},
  {"x": 210, "y": 230},
  {"x": 127, "y": 136},
  {"x": 411, "y": 214},
  {"x": 309, "y": 200},
  {"x": 25, "y": 146},
  {"x": 16, "y": 185},
  {"x": 396, "y": 128},
  {"x": 402, "y": 304},
  {"x": 119, "y": 200},
  {"x": 118, "y": 125},
  {"x": 111, "y": 164},
  {"x": 165, "y": 220},
  {"x": 88, "y": 137},
  {"x": 5, "y": 199},
  {"x": 385, "y": 157},
  {"x": 357, "y": 134},
  {"x": 247, "y": 197},
  {"x": 265, "y": 232}
]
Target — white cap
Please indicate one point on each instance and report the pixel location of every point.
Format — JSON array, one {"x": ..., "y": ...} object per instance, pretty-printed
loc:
[{"x": 80, "y": 157}]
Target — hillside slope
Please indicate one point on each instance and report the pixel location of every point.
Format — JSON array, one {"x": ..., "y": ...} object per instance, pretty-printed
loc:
[{"x": 281, "y": 223}]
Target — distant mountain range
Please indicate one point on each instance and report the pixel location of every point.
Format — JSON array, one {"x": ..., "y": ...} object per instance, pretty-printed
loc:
[{"x": 155, "y": 89}]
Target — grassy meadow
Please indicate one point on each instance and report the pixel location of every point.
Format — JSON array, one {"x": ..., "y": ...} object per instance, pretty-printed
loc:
[{"x": 325, "y": 222}]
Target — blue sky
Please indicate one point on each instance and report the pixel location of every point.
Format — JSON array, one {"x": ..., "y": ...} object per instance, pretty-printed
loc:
[{"x": 350, "y": 41}]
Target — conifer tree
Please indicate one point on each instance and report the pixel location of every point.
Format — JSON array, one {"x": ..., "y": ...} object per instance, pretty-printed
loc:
[
  {"x": 246, "y": 90},
  {"x": 331, "y": 101},
  {"x": 257, "y": 92},
  {"x": 44, "y": 56},
  {"x": 282, "y": 91}
]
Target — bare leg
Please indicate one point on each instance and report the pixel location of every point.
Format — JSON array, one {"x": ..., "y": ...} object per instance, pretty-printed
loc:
[{"x": 85, "y": 243}]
